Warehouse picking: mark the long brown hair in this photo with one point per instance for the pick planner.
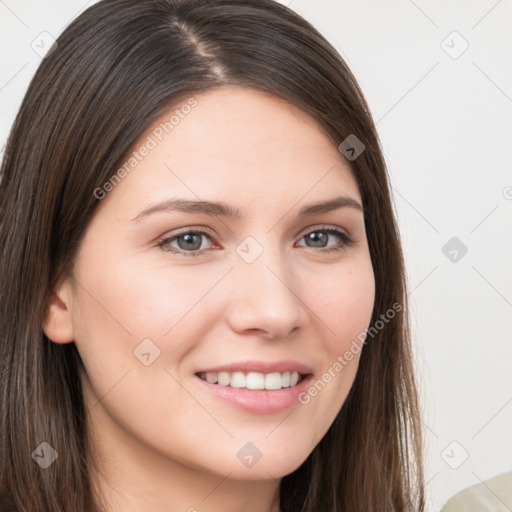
(115, 69)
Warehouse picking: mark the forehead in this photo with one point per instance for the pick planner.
(237, 145)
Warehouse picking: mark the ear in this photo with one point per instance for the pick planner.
(58, 324)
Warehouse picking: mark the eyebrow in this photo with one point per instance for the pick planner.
(220, 209)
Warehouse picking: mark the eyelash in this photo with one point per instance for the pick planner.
(346, 241)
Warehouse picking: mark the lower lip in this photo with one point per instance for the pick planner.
(260, 401)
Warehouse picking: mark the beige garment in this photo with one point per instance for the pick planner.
(494, 495)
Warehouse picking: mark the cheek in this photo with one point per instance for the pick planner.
(133, 301)
(124, 304)
(343, 301)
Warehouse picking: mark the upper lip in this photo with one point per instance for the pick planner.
(261, 367)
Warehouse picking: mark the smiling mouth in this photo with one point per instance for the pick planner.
(253, 380)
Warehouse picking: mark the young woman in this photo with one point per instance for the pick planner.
(203, 302)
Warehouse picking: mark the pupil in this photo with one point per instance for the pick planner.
(189, 241)
(317, 238)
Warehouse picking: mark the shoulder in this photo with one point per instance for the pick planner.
(494, 495)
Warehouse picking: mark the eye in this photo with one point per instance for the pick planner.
(319, 238)
(189, 243)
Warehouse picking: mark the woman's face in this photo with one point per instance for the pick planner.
(169, 290)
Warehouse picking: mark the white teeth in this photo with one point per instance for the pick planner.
(238, 380)
(255, 380)
(252, 380)
(273, 381)
(224, 379)
(211, 377)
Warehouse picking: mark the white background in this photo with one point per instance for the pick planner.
(445, 126)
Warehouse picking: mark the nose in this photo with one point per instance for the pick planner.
(263, 299)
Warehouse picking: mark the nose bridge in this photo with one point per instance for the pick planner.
(265, 296)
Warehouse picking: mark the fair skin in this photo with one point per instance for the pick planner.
(165, 440)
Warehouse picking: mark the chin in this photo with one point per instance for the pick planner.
(262, 460)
